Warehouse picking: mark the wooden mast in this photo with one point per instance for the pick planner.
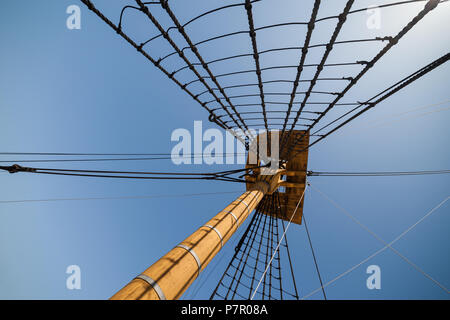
(171, 275)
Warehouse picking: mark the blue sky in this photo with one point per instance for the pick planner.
(88, 91)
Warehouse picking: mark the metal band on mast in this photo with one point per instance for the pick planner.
(175, 271)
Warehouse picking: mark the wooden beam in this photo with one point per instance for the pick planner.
(170, 276)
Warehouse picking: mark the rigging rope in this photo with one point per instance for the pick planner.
(101, 154)
(384, 95)
(252, 252)
(311, 26)
(286, 245)
(119, 197)
(220, 176)
(378, 251)
(252, 33)
(112, 159)
(387, 245)
(279, 243)
(314, 256)
(381, 121)
(249, 229)
(225, 112)
(430, 5)
(341, 20)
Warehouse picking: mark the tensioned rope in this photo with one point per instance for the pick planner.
(223, 107)
(329, 48)
(251, 256)
(155, 196)
(100, 154)
(194, 289)
(286, 245)
(153, 157)
(301, 64)
(314, 256)
(378, 238)
(219, 176)
(279, 243)
(381, 97)
(238, 250)
(380, 250)
(401, 116)
(387, 93)
(430, 5)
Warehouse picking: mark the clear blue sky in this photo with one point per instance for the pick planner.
(88, 91)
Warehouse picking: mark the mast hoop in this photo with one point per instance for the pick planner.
(192, 252)
(153, 284)
(218, 233)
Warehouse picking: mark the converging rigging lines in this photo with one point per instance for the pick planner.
(281, 103)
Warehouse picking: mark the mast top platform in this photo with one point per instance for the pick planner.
(289, 179)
